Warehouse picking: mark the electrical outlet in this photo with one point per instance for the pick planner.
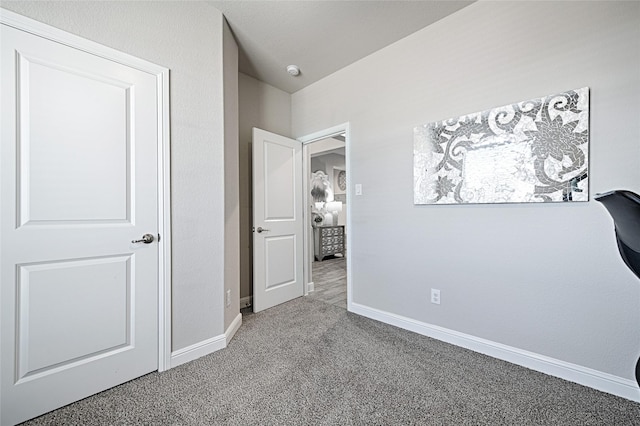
(228, 298)
(435, 296)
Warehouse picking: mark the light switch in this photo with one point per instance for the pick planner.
(358, 189)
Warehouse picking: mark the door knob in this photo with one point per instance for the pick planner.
(261, 230)
(146, 238)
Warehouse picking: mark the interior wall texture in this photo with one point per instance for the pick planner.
(231, 179)
(544, 278)
(266, 107)
(185, 37)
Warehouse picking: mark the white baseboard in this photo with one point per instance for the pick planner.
(311, 287)
(604, 382)
(233, 327)
(200, 349)
(197, 350)
(245, 302)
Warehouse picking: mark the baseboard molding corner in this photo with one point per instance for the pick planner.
(233, 327)
(197, 350)
(585, 376)
(311, 287)
(206, 347)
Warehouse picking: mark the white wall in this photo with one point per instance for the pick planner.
(186, 37)
(231, 178)
(267, 108)
(540, 278)
(323, 145)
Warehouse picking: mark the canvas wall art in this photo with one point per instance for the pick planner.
(531, 151)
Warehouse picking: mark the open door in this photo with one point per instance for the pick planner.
(277, 220)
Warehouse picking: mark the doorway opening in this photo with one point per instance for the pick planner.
(327, 224)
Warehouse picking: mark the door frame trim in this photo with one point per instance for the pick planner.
(308, 253)
(161, 74)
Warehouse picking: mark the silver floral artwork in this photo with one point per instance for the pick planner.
(532, 151)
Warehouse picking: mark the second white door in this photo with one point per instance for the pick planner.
(278, 241)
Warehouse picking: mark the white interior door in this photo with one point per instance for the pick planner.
(78, 161)
(277, 220)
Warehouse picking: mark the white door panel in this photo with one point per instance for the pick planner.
(280, 260)
(78, 183)
(98, 110)
(279, 167)
(277, 208)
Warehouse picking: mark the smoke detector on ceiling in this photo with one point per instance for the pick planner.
(293, 70)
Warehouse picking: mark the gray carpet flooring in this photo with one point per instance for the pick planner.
(307, 362)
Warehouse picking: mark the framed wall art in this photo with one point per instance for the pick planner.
(527, 152)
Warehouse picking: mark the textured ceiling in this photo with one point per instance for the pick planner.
(320, 36)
